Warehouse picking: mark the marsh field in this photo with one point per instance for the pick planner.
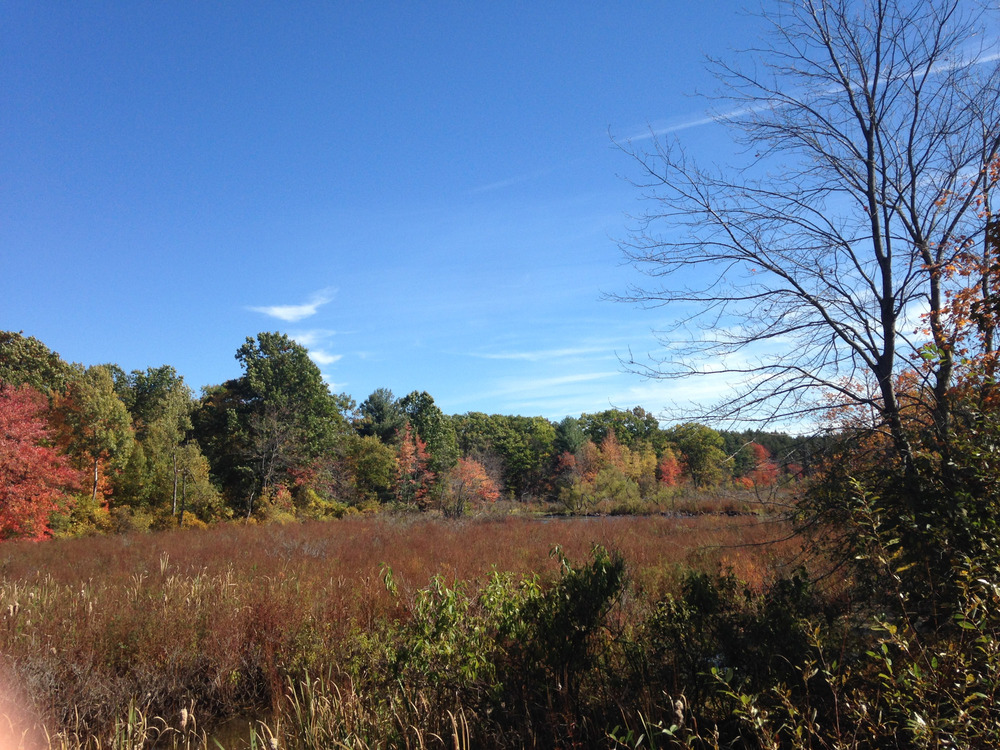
(408, 631)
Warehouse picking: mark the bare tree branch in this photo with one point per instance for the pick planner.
(804, 271)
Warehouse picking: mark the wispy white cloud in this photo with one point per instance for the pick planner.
(334, 387)
(293, 313)
(560, 380)
(314, 341)
(692, 121)
(653, 132)
(312, 337)
(966, 61)
(510, 182)
(698, 120)
(544, 354)
(541, 385)
(321, 357)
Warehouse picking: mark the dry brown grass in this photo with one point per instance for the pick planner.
(223, 616)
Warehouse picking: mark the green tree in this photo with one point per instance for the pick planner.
(277, 417)
(197, 495)
(701, 446)
(524, 447)
(381, 415)
(527, 445)
(99, 423)
(569, 436)
(473, 433)
(154, 394)
(540, 437)
(434, 428)
(221, 432)
(282, 379)
(736, 446)
(24, 360)
(160, 404)
(372, 465)
(632, 426)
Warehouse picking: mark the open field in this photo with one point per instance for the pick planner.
(226, 621)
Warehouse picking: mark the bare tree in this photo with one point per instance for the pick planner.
(273, 446)
(867, 127)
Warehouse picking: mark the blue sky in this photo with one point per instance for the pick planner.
(424, 195)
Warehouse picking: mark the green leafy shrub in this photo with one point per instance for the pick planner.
(554, 643)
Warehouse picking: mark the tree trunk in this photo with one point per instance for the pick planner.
(180, 518)
(93, 494)
(174, 511)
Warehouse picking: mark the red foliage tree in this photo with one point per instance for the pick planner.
(765, 471)
(34, 478)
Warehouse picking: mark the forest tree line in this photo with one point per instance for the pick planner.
(97, 448)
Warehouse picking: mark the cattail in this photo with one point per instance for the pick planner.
(184, 719)
(679, 712)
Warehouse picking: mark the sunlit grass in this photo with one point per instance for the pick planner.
(224, 621)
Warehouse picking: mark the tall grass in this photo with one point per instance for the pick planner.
(97, 634)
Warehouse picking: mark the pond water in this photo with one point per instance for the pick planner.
(234, 734)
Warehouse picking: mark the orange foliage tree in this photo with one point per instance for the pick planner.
(612, 451)
(468, 483)
(413, 479)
